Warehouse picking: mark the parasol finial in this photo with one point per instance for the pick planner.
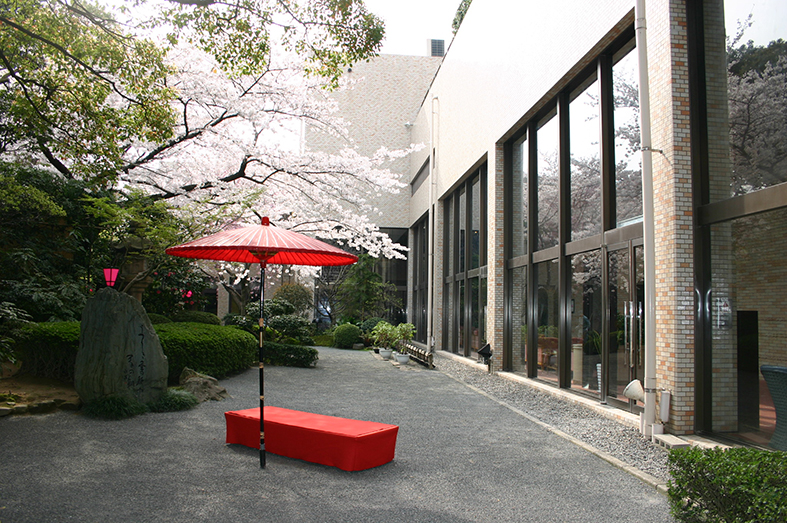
(266, 220)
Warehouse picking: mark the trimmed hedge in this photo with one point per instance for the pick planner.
(210, 349)
(291, 326)
(346, 334)
(279, 354)
(49, 350)
(733, 485)
(157, 319)
(196, 317)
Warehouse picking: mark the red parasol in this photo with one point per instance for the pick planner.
(263, 244)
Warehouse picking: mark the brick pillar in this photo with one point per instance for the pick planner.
(495, 258)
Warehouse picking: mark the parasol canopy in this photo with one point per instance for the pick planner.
(264, 243)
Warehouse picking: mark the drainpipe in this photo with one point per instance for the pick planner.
(649, 416)
(432, 192)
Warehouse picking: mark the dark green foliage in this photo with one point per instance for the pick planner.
(274, 307)
(210, 349)
(724, 486)
(279, 354)
(114, 407)
(49, 350)
(289, 326)
(750, 57)
(196, 317)
(324, 340)
(363, 294)
(174, 400)
(157, 319)
(244, 322)
(298, 295)
(368, 325)
(178, 285)
(346, 334)
(460, 15)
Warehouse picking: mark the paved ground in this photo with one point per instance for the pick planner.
(460, 457)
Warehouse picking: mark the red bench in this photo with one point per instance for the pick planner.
(347, 444)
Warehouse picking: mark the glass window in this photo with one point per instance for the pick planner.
(519, 198)
(519, 319)
(746, 97)
(628, 158)
(585, 163)
(749, 322)
(475, 224)
(586, 321)
(462, 229)
(547, 320)
(548, 178)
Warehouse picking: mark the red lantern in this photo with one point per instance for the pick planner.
(110, 275)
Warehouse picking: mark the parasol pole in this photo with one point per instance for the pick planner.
(262, 366)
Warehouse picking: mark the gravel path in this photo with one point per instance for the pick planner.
(602, 433)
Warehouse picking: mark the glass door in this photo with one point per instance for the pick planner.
(625, 345)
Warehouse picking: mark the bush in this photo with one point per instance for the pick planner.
(49, 350)
(244, 322)
(291, 326)
(324, 340)
(346, 334)
(157, 319)
(368, 325)
(114, 407)
(733, 485)
(210, 349)
(174, 400)
(279, 354)
(196, 317)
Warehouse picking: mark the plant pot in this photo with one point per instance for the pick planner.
(386, 353)
(376, 350)
(402, 358)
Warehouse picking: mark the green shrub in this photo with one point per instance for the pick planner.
(290, 326)
(157, 319)
(244, 322)
(49, 350)
(733, 485)
(280, 354)
(114, 407)
(346, 334)
(196, 317)
(174, 400)
(324, 340)
(210, 349)
(368, 325)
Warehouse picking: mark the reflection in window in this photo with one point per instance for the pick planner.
(519, 319)
(519, 198)
(586, 321)
(748, 267)
(585, 164)
(548, 177)
(547, 320)
(628, 159)
(462, 231)
(475, 225)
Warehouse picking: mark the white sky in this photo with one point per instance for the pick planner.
(410, 23)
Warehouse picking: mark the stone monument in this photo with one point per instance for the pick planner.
(119, 351)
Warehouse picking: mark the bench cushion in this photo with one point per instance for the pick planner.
(339, 442)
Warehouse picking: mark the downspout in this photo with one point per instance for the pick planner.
(432, 192)
(649, 416)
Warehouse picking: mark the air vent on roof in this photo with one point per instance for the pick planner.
(435, 47)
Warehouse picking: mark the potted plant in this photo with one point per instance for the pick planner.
(384, 336)
(404, 333)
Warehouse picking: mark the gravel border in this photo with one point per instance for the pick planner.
(613, 441)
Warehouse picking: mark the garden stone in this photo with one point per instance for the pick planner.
(20, 408)
(119, 351)
(5, 411)
(204, 387)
